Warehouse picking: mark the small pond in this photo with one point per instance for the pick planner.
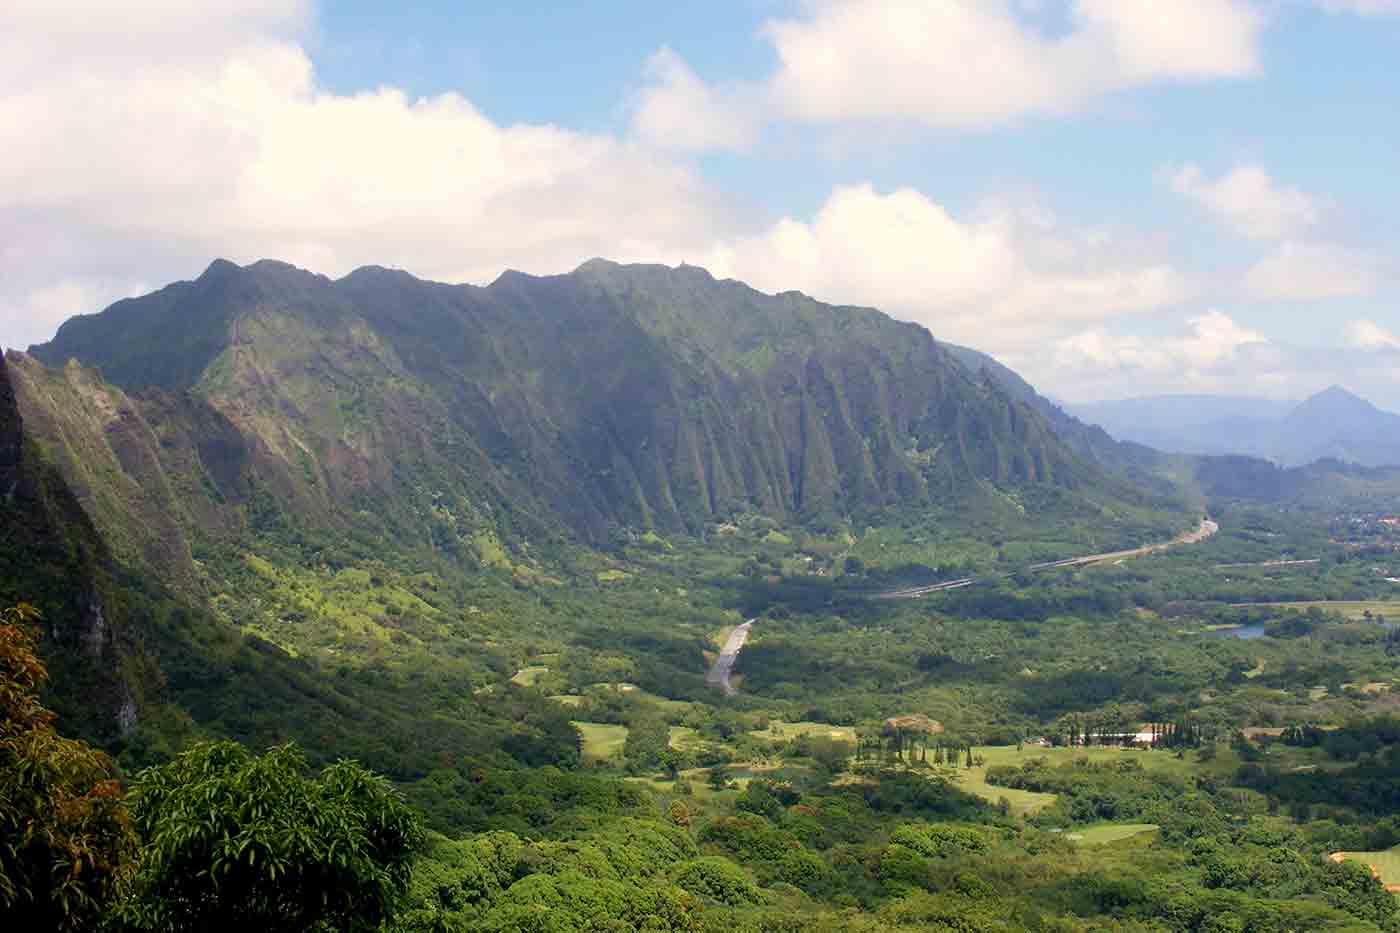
(1242, 632)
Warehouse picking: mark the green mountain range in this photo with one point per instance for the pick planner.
(296, 474)
(614, 396)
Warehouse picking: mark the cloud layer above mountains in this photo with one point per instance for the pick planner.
(204, 131)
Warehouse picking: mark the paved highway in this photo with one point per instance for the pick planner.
(1202, 532)
(719, 673)
(724, 664)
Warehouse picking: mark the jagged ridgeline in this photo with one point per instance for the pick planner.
(615, 396)
(258, 503)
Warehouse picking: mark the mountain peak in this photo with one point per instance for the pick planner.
(218, 269)
(597, 264)
(1335, 400)
(1337, 392)
(374, 273)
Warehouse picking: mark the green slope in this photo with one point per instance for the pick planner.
(611, 397)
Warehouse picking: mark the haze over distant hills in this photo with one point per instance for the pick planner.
(1333, 424)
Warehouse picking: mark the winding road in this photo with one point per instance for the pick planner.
(724, 664)
(1202, 532)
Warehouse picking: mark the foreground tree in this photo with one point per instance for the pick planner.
(67, 849)
(238, 842)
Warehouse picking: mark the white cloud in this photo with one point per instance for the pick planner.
(1249, 201)
(1305, 271)
(680, 111)
(116, 173)
(1011, 274)
(1211, 339)
(960, 63)
(1362, 7)
(205, 132)
(1212, 353)
(148, 161)
(1368, 335)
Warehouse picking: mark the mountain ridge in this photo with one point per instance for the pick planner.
(612, 395)
(292, 474)
(1331, 424)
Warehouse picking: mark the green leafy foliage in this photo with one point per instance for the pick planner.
(232, 840)
(67, 849)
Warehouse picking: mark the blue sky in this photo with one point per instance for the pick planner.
(1116, 197)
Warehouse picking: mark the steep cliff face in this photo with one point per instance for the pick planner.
(638, 396)
(54, 558)
(138, 665)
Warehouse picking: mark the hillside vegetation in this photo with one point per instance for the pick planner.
(488, 542)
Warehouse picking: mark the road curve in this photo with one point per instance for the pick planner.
(724, 664)
(1202, 532)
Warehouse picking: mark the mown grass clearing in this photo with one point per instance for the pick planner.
(527, 676)
(974, 781)
(1101, 834)
(1152, 759)
(665, 706)
(684, 738)
(567, 699)
(695, 777)
(1348, 609)
(779, 731)
(1025, 802)
(601, 741)
(1386, 864)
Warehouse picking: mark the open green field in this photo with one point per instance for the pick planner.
(1103, 833)
(684, 738)
(974, 780)
(695, 777)
(1347, 609)
(567, 699)
(665, 706)
(527, 676)
(779, 731)
(601, 742)
(1386, 863)
(1025, 802)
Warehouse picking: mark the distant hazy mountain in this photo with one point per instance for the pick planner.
(1333, 424)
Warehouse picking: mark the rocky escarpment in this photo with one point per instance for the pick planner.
(54, 558)
(615, 396)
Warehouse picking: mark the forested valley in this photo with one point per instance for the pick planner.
(367, 622)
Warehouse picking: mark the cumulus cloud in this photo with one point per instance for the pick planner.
(680, 111)
(143, 159)
(975, 63)
(1368, 335)
(1011, 270)
(139, 168)
(1305, 271)
(206, 133)
(1248, 200)
(1209, 340)
(1300, 264)
(1213, 353)
(1362, 7)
